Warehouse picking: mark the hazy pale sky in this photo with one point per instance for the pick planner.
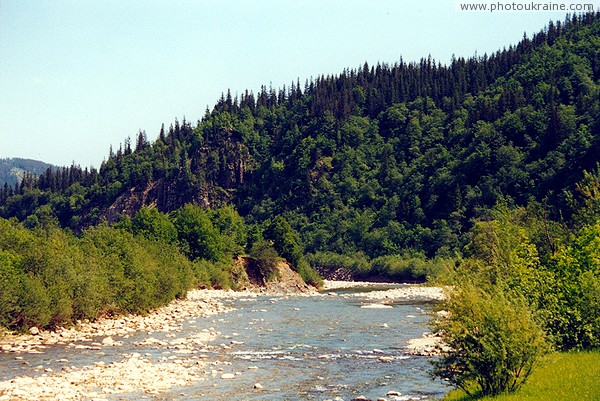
(78, 75)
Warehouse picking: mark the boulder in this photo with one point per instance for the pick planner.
(108, 341)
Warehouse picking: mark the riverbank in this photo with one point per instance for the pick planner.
(185, 359)
(200, 303)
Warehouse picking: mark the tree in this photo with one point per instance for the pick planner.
(576, 322)
(493, 338)
(154, 225)
(285, 240)
(198, 236)
(232, 228)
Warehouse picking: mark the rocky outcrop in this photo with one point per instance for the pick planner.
(165, 195)
(336, 273)
(286, 279)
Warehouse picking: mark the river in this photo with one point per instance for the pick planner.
(332, 347)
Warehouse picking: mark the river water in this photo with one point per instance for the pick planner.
(296, 347)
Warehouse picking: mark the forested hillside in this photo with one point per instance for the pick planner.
(14, 169)
(375, 161)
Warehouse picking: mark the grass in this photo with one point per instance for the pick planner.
(573, 376)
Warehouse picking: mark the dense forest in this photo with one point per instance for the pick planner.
(479, 168)
(374, 161)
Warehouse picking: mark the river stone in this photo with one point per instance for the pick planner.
(227, 376)
(377, 306)
(108, 341)
(393, 393)
(34, 330)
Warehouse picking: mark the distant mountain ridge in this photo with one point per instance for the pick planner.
(12, 170)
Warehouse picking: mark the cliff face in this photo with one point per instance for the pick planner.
(165, 196)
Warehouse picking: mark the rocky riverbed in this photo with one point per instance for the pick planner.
(167, 358)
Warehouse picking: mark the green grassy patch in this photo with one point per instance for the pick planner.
(573, 376)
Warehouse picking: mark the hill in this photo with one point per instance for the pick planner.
(13, 170)
(375, 161)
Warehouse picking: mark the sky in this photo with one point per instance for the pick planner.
(77, 76)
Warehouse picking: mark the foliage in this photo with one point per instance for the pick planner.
(576, 270)
(505, 254)
(400, 267)
(286, 242)
(198, 236)
(50, 277)
(494, 339)
(586, 200)
(232, 227)
(153, 225)
(265, 256)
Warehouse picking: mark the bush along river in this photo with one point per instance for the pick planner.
(344, 344)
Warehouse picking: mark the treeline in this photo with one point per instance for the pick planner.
(51, 277)
(525, 285)
(378, 161)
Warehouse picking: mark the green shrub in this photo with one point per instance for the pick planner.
(220, 277)
(201, 272)
(11, 282)
(575, 319)
(232, 227)
(49, 277)
(494, 341)
(154, 225)
(400, 267)
(34, 308)
(309, 275)
(266, 258)
(198, 236)
(287, 243)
